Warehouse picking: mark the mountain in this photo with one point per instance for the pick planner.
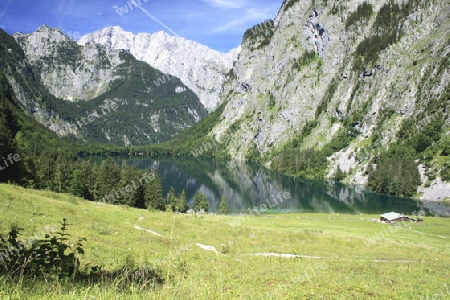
(334, 89)
(98, 95)
(202, 69)
(26, 146)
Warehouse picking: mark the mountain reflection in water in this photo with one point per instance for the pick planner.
(247, 187)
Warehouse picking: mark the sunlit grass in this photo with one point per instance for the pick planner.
(359, 257)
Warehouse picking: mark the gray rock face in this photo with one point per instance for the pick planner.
(202, 69)
(273, 91)
(151, 106)
(71, 74)
(316, 33)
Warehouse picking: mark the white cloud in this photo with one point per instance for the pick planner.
(2, 13)
(158, 21)
(227, 3)
(250, 18)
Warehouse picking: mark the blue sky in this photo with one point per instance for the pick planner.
(219, 24)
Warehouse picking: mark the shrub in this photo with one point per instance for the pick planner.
(304, 60)
(445, 172)
(51, 256)
(339, 175)
(54, 257)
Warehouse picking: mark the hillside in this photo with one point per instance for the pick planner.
(342, 90)
(33, 145)
(373, 259)
(94, 94)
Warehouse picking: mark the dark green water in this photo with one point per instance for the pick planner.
(248, 187)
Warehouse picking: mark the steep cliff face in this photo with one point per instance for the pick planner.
(98, 94)
(328, 69)
(202, 69)
(68, 71)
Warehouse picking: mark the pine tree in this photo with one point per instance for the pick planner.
(45, 171)
(153, 194)
(62, 174)
(201, 202)
(81, 184)
(223, 206)
(445, 145)
(172, 200)
(108, 178)
(7, 146)
(129, 177)
(139, 198)
(396, 173)
(182, 205)
(339, 175)
(78, 185)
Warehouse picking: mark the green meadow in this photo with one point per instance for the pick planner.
(276, 256)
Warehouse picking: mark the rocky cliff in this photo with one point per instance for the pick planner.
(367, 72)
(202, 69)
(98, 94)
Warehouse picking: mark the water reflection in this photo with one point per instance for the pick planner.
(247, 187)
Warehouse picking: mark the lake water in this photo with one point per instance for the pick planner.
(251, 188)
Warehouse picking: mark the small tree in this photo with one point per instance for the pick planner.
(53, 256)
(78, 186)
(182, 204)
(223, 206)
(201, 202)
(339, 175)
(154, 194)
(445, 146)
(171, 200)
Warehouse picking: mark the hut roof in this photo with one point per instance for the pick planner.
(392, 216)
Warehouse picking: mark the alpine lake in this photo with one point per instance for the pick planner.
(253, 189)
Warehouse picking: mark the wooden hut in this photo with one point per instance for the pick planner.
(393, 217)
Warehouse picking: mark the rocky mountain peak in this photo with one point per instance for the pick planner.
(73, 83)
(351, 75)
(202, 69)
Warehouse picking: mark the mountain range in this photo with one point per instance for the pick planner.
(75, 82)
(354, 91)
(202, 69)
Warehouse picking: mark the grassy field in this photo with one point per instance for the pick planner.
(337, 256)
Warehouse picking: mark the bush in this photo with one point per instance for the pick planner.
(445, 172)
(304, 60)
(51, 256)
(54, 257)
(339, 175)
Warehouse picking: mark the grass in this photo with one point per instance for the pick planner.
(360, 258)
